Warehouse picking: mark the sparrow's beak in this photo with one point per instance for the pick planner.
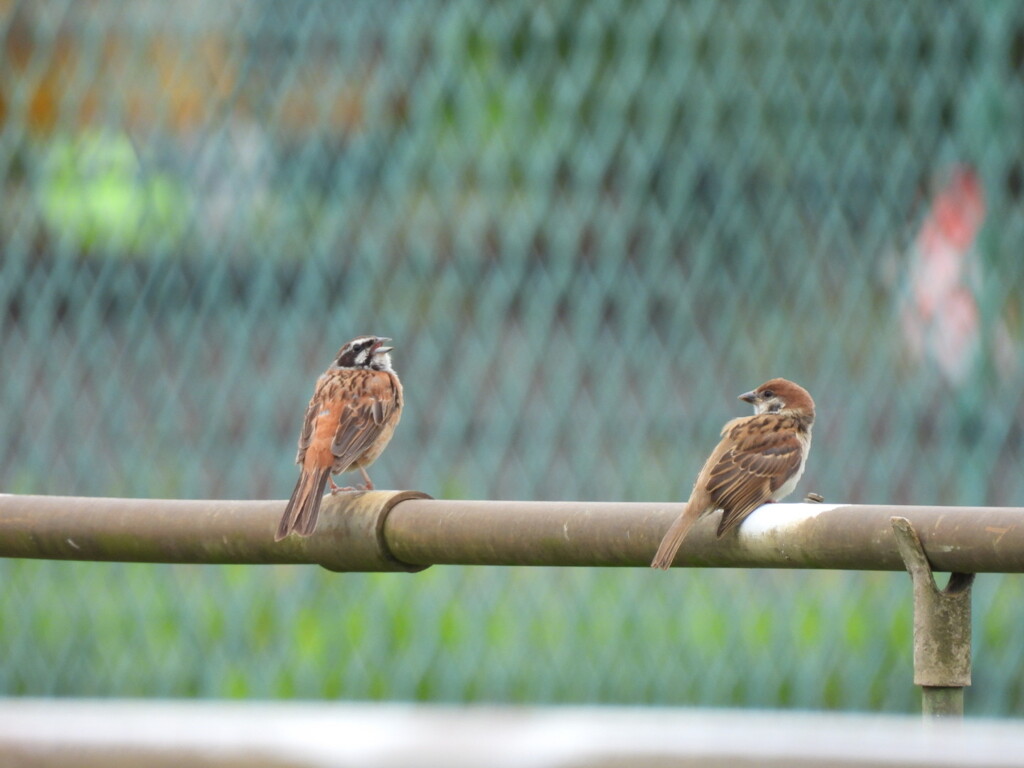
(749, 397)
(378, 345)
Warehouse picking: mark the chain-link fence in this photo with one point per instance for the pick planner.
(587, 226)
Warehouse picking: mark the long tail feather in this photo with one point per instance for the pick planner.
(304, 505)
(673, 539)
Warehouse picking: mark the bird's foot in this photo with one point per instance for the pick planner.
(335, 488)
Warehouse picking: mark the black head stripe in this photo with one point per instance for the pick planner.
(356, 354)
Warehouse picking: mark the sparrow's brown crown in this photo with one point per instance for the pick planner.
(778, 395)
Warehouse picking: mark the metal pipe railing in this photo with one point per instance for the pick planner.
(396, 531)
(408, 531)
(349, 536)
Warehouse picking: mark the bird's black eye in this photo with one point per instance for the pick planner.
(768, 393)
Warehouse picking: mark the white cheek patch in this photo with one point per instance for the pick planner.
(770, 520)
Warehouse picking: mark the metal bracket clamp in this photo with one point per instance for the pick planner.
(357, 519)
(942, 627)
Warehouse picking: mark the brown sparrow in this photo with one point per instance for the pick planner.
(759, 459)
(350, 419)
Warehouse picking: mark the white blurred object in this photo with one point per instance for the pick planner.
(63, 732)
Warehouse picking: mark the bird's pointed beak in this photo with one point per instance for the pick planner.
(379, 345)
(749, 397)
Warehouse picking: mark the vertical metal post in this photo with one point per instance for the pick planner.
(942, 628)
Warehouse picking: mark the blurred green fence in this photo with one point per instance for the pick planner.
(587, 226)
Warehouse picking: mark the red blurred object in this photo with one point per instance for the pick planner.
(941, 319)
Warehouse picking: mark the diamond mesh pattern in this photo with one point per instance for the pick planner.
(587, 225)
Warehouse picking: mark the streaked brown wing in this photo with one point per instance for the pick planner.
(309, 423)
(366, 411)
(766, 453)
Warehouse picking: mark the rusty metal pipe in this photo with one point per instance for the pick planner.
(852, 537)
(388, 530)
(349, 536)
